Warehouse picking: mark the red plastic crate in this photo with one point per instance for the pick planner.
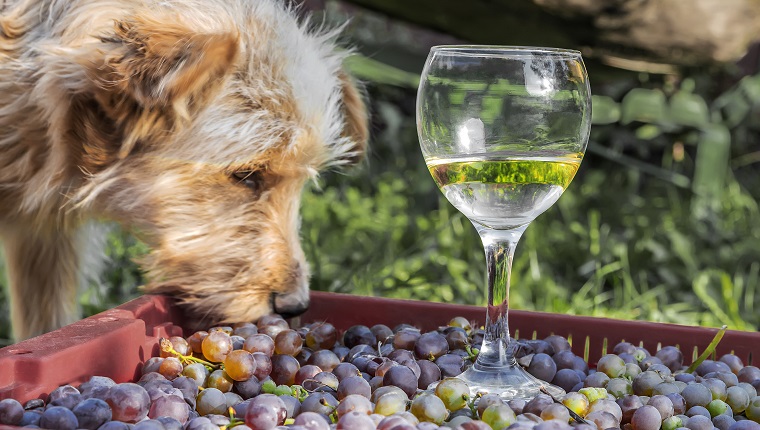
(115, 343)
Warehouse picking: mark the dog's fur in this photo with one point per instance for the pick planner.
(196, 123)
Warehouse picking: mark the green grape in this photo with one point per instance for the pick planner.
(454, 392)
(391, 403)
(498, 416)
(429, 408)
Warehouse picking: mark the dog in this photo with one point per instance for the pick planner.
(194, 123)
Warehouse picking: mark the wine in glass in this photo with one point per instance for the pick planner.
(503, 131)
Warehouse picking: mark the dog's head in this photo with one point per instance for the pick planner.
(200, 129)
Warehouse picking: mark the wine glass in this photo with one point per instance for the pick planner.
(503, 130)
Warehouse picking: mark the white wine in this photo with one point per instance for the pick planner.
(500, 190)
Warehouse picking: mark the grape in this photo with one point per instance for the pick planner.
(609, 406)
(149, 425)
(663, 405)
(265, 411)
(288, 342)
(263, 365)
(406, 338)
(672, 423)
(402, 377)
(220, 380)
(321, 336)
(696, 395)
(566, 379)
(429, 408)
(359, 335)
(457, 338)
(679, 404)
(628, 405)
(170, 406)
(717, 407)
(744, 425)
(429, 373)
(240, 365)
(619, 387)
(200, 423)
(624, 347)
(644, 383)
(354, 385)
(431, 345)
(355, 421)
(597, 380)
(170, 368)
(92, 413)
(11, 412)
(284, 369)
(665, 388)
(498, 416)
(129, 402)
(233, 399)
(612, 365)
(749, 374)
(716, 386)
(292, 405)
(450, 365)
(708, 366)
(555, 412)
(537, 404)
(66, 396)
(211, 401)
(454, 392)
(97, 387)
(324, 359)
(390, 403)
(753, 410)
(576, 402)
(115, 425)
(699, 422)
(29, 418)
(542, 367)
(320, 403)
(354, 402)
(733, 362)
(195, 341)
(216, 346)
(605, 420)
(259, 343)
(723, 422)
(197, 372)
(58, 418)
(671, 357)
(311, 421)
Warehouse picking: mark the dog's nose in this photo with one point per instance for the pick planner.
(290, 305)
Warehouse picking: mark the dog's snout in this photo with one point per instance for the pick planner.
(290, 305)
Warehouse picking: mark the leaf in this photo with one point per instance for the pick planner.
(644, 105)
(604, 110)
(688, 109)
(711, 166)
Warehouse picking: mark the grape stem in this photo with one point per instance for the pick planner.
(167, 347)
(709, 350)
(234, 421)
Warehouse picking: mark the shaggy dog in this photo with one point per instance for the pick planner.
(195, 123)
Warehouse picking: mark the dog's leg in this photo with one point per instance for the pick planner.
(43, 271)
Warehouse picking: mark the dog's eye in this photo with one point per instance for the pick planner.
(252, 179)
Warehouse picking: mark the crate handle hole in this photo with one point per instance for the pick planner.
(20, 351)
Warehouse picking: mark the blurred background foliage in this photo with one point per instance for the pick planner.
(661, 223)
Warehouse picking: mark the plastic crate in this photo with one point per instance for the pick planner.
(115, 343)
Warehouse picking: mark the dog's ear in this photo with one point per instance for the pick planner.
(355, 125)
(156, 72)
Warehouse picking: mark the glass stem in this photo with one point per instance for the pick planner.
(499, 246)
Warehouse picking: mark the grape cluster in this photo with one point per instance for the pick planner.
(268, 376)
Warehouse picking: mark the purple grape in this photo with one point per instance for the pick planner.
(66, 396)
(59, 418)
(30, 418)
(402, 377)
(265, 411)
(129, 402)
(11, 412)
(312, 421)
(92, 413)
(170, 406)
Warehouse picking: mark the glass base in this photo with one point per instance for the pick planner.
(509, 382)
